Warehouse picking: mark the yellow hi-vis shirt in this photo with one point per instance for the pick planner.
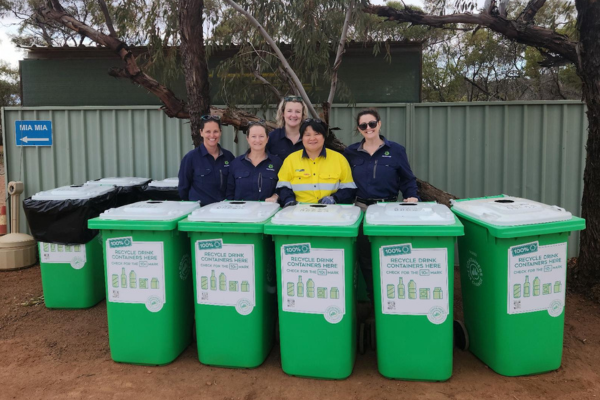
(311, 180)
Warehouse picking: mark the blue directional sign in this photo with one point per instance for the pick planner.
(33, 133)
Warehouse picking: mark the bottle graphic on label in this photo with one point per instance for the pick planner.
(132, 279)
(526, 287)
(300, 287)
(60, 248)
(222, 282)
(547, 288)
(204, 282)
(115, 280)
(401, 294)
(246, 286)
(557, 287)
(68, 249)
(536, 286)
(154, 283)
(322, 292)
(310, 288)
(424, 293)
(77, 248)
(335, 293)
(52, 247)
(437, 293)
(123, 279)
(233, 286)
(412, 289)
(290, 287)
(517, 290)
(391, 291)
(143, 283)
(213, 280)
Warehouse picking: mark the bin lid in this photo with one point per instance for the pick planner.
(510, 211)
(318, 215)
(73, 192)
(165, 183)
(150, 210)
(235, 211)
(409, 214)
(125, 181)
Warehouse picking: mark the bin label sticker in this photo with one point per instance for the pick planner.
(536, 278)
(75, 255)
(225, 275)
(136, 272)
(414, 281)
(313, 281)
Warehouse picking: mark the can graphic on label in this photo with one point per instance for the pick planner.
(517, 290)
(391, 291)
(204, 282)
(290, 288)
(115, 280)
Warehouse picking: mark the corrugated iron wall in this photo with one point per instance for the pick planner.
(528, 149)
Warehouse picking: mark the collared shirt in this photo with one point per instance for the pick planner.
(252, 183)
(202, 177)
(279, 145)
(308, 181)
(383, 174)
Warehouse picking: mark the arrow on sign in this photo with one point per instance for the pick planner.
(26, 139)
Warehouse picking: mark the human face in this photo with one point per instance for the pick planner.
(292, 114)
(211, 134)
(313, 141)
(369, 133)
(257, 138)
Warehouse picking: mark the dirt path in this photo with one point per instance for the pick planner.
(60, 354)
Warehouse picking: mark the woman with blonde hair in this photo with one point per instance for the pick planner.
(286, 140)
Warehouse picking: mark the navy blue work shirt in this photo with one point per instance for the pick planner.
(279, 145)
(247, 182)
(203, 178)
(383, 174)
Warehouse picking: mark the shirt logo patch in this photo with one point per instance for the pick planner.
(226, 162)
(270, 165)
(387, 153)
(299, 170)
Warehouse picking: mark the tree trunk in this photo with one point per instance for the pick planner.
(195, 67)
(586, 271)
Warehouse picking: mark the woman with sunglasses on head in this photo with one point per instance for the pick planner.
(203, 172)
(381, 170)
(253, 175)
(286, 140)
(315, 174)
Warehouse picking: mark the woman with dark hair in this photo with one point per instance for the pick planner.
(315, 174)
(381, 171)
(253, 175)
(285, 140)
(204, 170)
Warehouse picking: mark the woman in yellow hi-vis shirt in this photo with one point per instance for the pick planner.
(315, 174)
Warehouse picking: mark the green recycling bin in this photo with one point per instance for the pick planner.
(148, 281)
(412, 248)
(513, 265)
(234, 282)
(72, 272)
(316, 275)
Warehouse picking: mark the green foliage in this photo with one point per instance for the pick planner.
(9, 85)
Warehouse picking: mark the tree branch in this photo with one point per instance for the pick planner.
(107, 18)
(265, 82)
(340, 53)
(483, 90)
(532, 8)
(173, 106)
(282, 59)
(525, 33)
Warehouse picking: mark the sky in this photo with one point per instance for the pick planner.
(11, 54)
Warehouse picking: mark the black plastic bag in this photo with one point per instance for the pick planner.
(66, 221)
(160, 193)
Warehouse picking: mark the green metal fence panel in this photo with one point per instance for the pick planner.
(527, 149)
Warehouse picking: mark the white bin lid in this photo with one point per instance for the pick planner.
(125, 181)
(235, 211)
(317, 215)
(511, 211)
(165, 183)
(151, 211)
(74, 192)
(409, 214)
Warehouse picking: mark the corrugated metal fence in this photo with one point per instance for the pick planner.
(528, 149)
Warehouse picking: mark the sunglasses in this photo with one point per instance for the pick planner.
(370, 124)
(309, 120)
(260, 122)
(210, 118)
(293, 98)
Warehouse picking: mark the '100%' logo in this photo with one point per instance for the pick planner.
(119, 242)
(297, 249)
(524, 249)
(210, 244)
(398, 250)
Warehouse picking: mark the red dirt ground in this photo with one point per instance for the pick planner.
(64, 354)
